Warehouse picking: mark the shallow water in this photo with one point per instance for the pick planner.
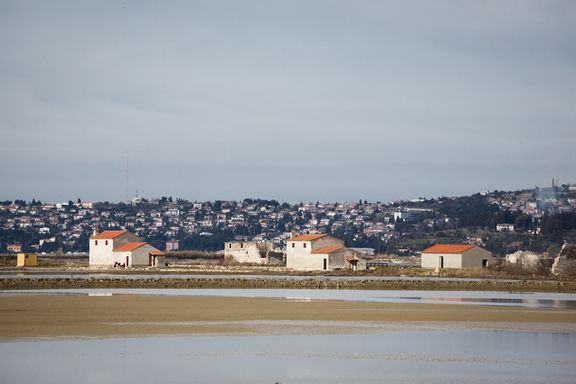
(421, 356)
(339, 353)
(489, 298)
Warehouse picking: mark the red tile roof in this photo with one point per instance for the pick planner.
(448, 248)
(157, 253)
(129, 247)
(108, 234)
(328, 249)
(308, 237)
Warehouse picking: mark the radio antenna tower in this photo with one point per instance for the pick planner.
(126, 179)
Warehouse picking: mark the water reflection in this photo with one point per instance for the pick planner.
(488, 298)
(463, 356)
(528, 303)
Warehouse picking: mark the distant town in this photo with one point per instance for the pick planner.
(538, 219)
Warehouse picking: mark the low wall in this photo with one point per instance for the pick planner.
(238, 283)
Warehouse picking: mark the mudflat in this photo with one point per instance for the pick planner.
(139, 315)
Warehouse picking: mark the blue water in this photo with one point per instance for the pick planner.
(437, 356)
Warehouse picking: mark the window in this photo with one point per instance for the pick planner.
(230, 245)
(96, 242)
(106, 242)
(293, 244)
(304, 245)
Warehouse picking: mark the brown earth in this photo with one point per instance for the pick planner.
(138, 315)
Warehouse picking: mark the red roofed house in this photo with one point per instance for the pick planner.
(317, 252)
(455, 256)
(110, 247)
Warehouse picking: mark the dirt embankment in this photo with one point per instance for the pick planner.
(240, 283)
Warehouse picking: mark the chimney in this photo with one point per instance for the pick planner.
(293, 234)
(94, 231)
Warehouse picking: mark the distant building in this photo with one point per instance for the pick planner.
(455, 256)
(402, 215)
(14, 248)
(252, 252)
(110, 247)
(318, 252)
(505, 227)
(27, 260)
(172, 245)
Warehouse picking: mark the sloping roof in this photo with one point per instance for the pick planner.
(308, 237)
(108, 234)
(157, 253)
(129, 247)
(352, 259)
(448, 248)
(328, 249)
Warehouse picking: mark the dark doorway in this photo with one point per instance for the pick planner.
(441, 262)
(325, 264)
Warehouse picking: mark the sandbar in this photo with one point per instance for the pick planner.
(141, 315)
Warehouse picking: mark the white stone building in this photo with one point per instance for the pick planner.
(252, 252)
(123, 247)
(505, 227)
(318, 252)
(455, 256)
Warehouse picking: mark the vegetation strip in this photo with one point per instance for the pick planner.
(233, 283)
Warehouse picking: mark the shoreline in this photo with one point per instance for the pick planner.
(25, 283)
(40, 317)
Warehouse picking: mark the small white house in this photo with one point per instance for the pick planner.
(123, 247)
(321, 252)
(455, 256)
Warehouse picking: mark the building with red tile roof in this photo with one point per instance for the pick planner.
(108, 234)
(110, 248)
(317, 252)
(442, 256)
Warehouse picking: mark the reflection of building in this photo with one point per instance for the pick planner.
(455, 256)
(172, 245)
(123, 247)
(321, 252)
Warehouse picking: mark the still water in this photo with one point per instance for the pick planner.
(428, 356)
(394, 353)
(489, 298)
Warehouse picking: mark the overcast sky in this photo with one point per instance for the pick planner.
(287, 100)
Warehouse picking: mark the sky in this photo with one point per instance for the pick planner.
(294, 100)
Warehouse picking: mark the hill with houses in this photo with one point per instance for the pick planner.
(539, 219)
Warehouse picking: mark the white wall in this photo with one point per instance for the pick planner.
(432, 260)
(101, 249)
(471, 258)
(246, 252)
(300, 256)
